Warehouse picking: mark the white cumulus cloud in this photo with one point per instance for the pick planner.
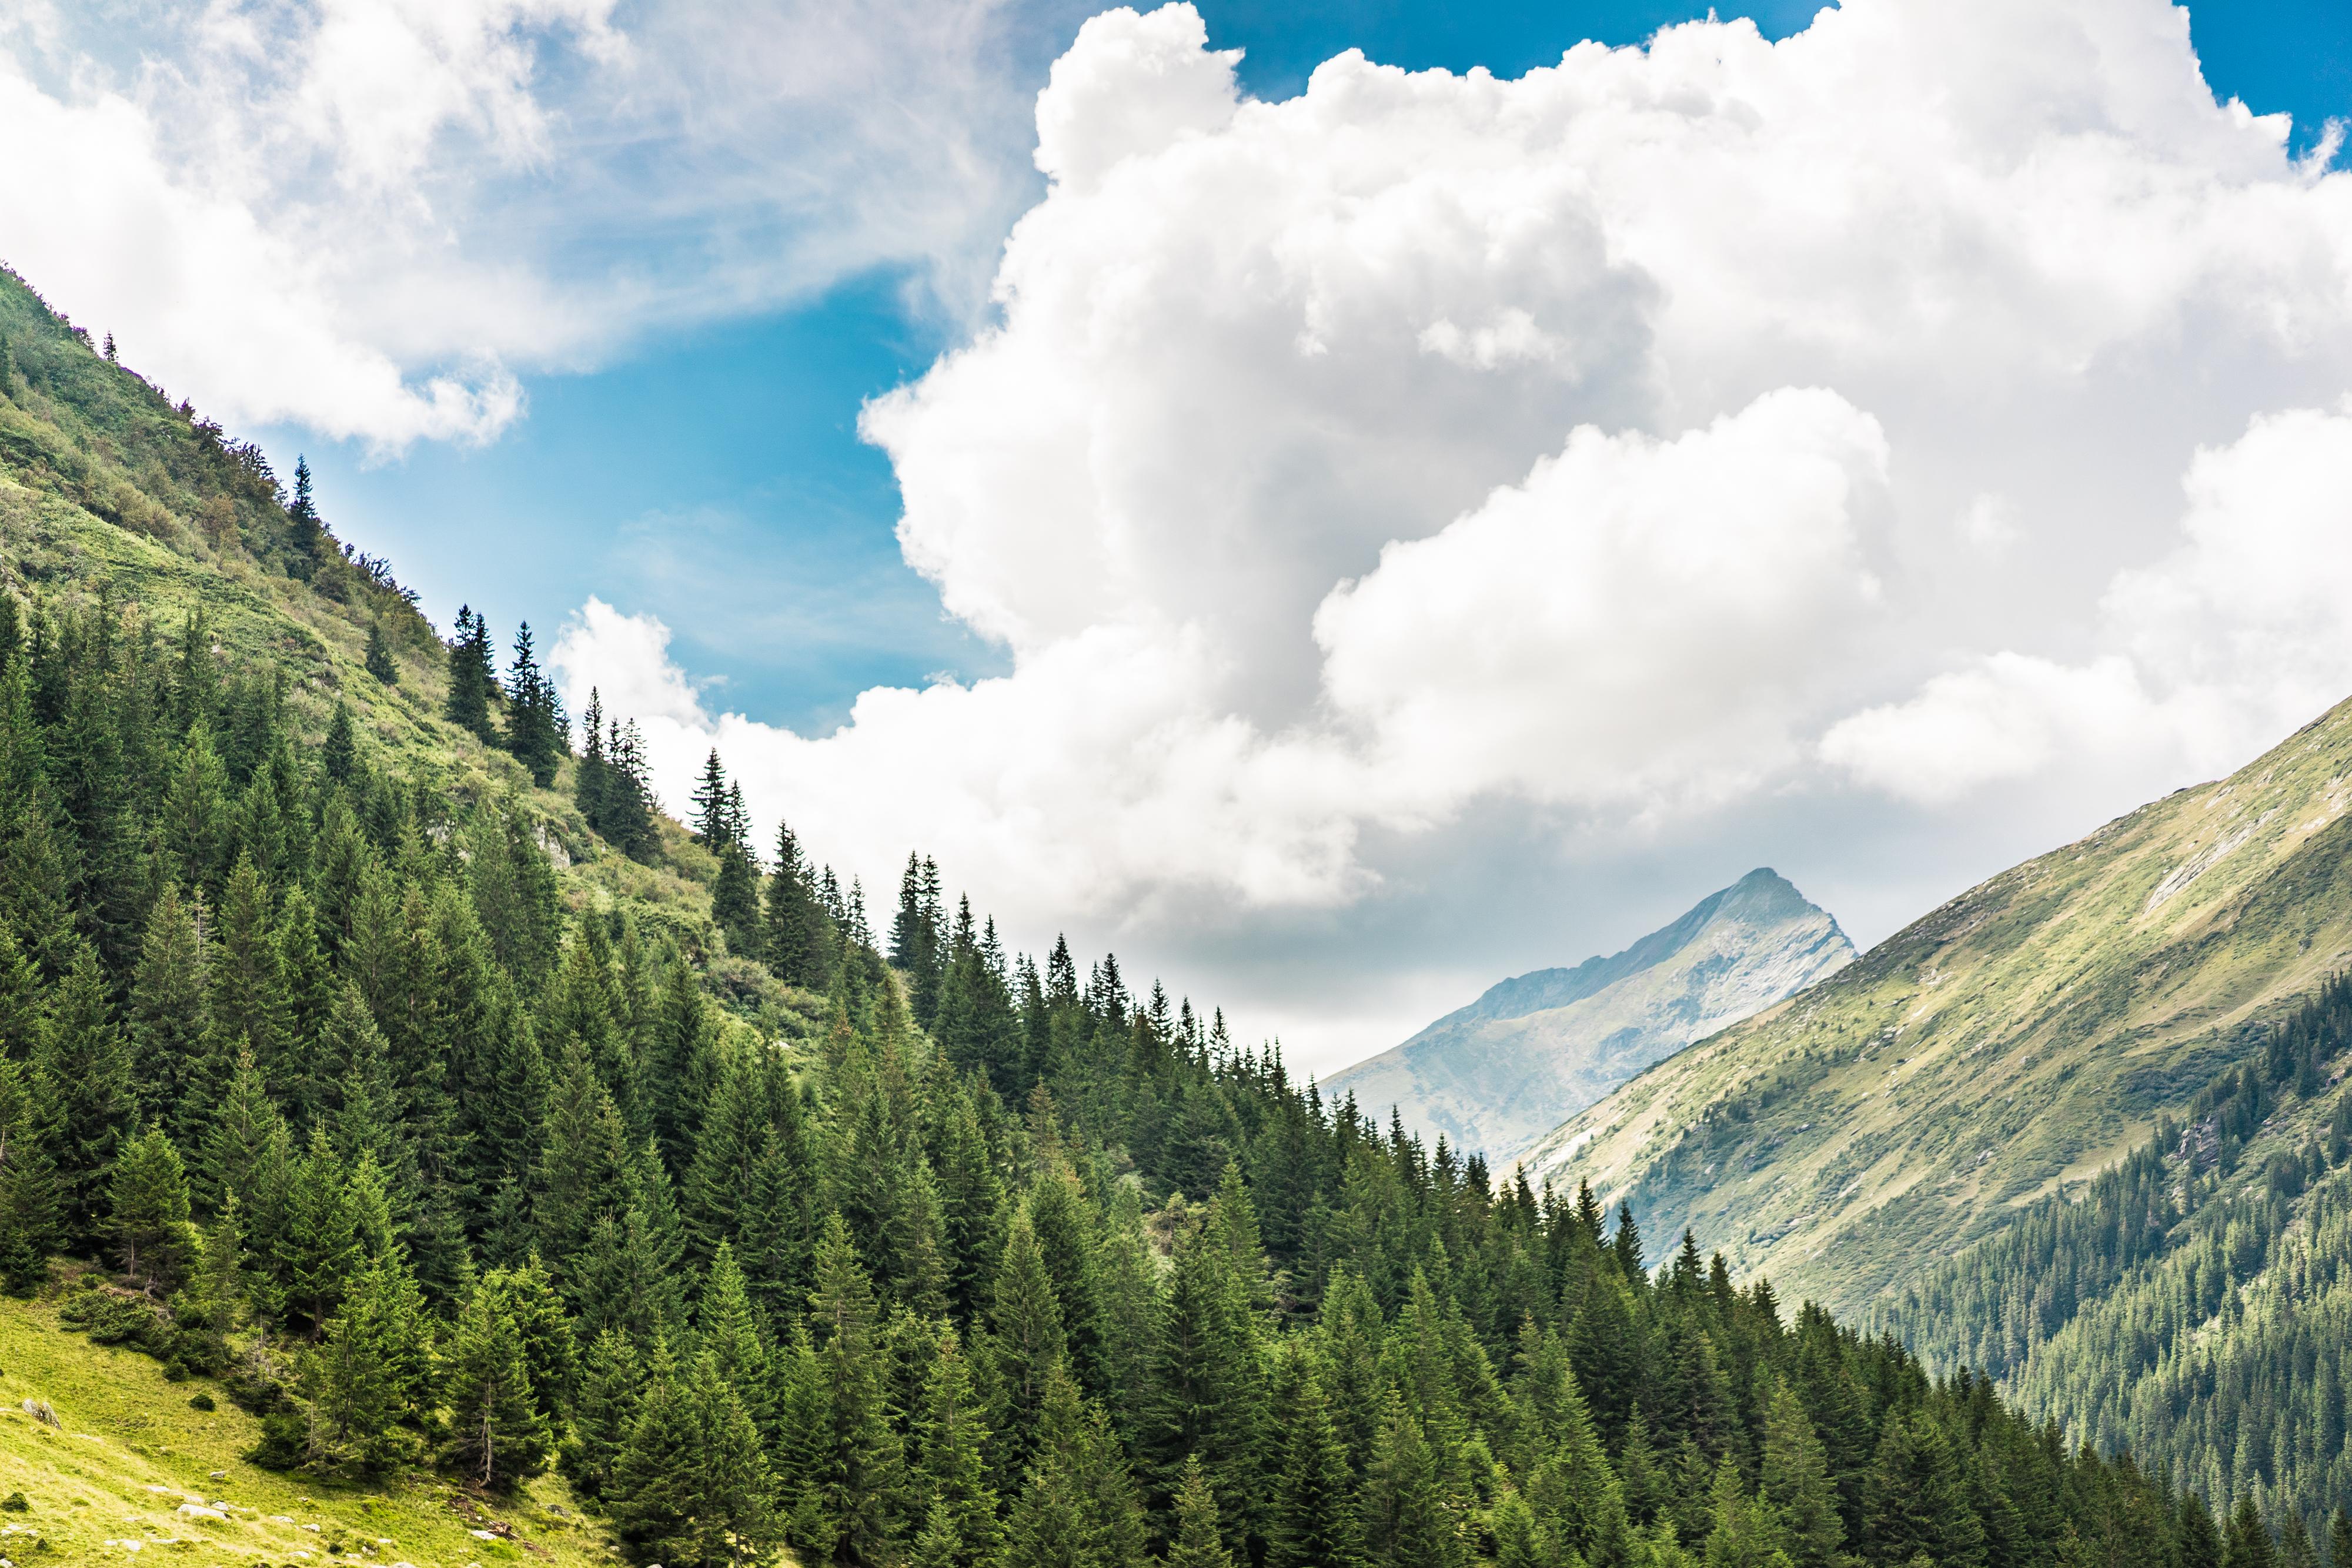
(1681, 444)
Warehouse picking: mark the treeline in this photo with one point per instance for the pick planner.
(2196, 1304)
(1002, 1265)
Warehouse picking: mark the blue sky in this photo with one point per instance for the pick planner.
(1424, 533)
(712, 476)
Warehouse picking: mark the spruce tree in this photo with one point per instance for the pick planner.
(2249, 1545)
(496, 1435)
(535, 726)
(81, 1070)
(735, 901)
(147, 1203)
(1312, 1522)
(171, 1049)
(1024, 1348)
(30, 1202)
(1197, 1543)
(366, 1384)
(339, 757)
(612, 1394)
(861, 1479)
(471, 685)
(379, 656)
(709, 797)
(1797, 1483)
(799, 936)
(958, 1507)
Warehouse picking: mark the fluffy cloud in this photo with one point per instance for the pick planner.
(1720, 428)
(2239, 633)
(365, 216)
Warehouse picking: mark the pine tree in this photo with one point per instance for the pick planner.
(496, 1435)
(1797, 1483)
(472, 686)
(339, 757)
(2249, 1545)
(1197, 1542)
(1745, 1530)
(30, 1202)
(171, 1056)
(82, 1070)
(735, 901)
(860, 1483)
(710, 796)
(1404, 1502)
(535, 724)
(612, 1394)
(800, 935)
(249, 1004)
(147, 1201)
(1520, 1538)
(379, 656)
(365, 1385)
(1913, 1498)
(729, 1331)
(1023, 1347)
(1312, 1522)
(959, 1507)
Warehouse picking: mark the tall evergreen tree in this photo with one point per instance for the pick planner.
(378, 659)
(82, 1073)
(496, 1435)
(147, 1205)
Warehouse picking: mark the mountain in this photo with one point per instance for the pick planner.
(1499, 1073)
(399, 1112)
(2004, 1048)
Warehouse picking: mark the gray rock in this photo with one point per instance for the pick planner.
(1497, 1076)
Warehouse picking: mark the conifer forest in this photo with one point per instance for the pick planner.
(375, 1048)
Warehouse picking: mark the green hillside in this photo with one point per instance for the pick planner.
(2004, 1048)
(129, 1452)
(477, 1143)
(2195, 1305)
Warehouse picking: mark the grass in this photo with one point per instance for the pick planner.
(2007, 1046)
(106, 1485)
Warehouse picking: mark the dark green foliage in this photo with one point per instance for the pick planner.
(496, 1433)
(81, 1070)
(990, 1260)
(379, 656)
(147, 1218)
(473, 686)
(802, 942)
(536, 730)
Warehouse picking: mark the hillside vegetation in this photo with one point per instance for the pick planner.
(129, 1456)
(2195, 1305)
(2006, 1048)
(371, 1064)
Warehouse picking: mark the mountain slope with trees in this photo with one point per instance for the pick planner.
(2006, 1048)
(417, 1083)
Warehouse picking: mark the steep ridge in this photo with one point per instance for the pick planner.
(2005, 1048)
(1497, 1075)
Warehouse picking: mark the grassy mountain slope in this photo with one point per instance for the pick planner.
(2195, 1305)
(108, 489)
(2005, 1048)
(130, 1450)
(1497, 1075)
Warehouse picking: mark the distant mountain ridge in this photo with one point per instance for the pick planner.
(1497, 1074)
(2003, 1048)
